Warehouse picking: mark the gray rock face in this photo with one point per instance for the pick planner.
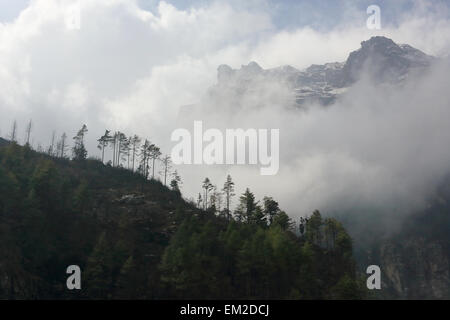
(379, 59)
(416, 269)
(415, 259)
(382, 60)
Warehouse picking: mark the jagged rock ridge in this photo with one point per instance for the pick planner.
(379, 58)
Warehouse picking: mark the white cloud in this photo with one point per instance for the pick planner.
(131, 69)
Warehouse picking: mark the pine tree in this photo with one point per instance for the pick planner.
(314, 229)
(216, 200)
(79, 151)
(228, 189)
(282, 219)
(167, 165)
(62, 146)
(247, 206)
(213, 199)
(121, 147)
(113, 144)
(98, 272)
(127, 283)
(51, 148)
(207, 185)
(270, 208)
(154, 154)
(127, 148)
(103, 142)
(145, 156)
(175, 183)
(199, 200)
(135, 142)
(13, 134)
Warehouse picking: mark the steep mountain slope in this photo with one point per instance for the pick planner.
(55, 213)
(416, 259)
(134, 238)
(415, 268)
(382, 60)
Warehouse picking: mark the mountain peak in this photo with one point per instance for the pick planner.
(225, 73)
(252, 67)
(379, 59)
(382, 60)
(378, 41)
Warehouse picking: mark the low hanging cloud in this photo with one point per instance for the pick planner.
(378, 149)
(131, 69)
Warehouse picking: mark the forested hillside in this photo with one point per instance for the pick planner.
(133, 237)
(3, 142)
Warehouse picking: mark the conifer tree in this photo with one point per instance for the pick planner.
(175, 183)
(103, 142)
(79, 151)
(247, 206)
(145, 156)
(199, 200)
(154, 154)
(62, 146)
(207, 186)
(270, 208)
(167, 166)
(135, 142)
(228, 189)
(13, 134)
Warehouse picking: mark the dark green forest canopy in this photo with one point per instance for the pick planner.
(135, 238)
(3, 142)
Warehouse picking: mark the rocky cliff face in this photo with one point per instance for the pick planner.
(415, 260)
(379, 60)
(382, 60)
(415, 268)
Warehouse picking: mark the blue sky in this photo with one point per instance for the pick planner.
(286, 14)
(9, 9)
(121, 55)
(319, 14)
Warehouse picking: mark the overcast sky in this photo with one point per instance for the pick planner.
(131, 64)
